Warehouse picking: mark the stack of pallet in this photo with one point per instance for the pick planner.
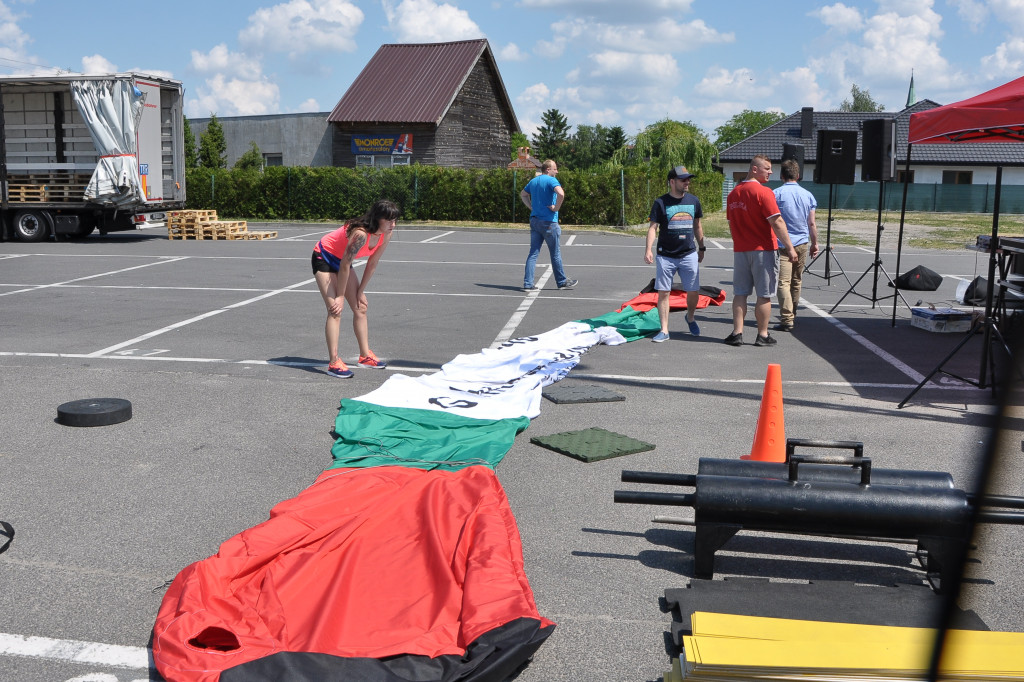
(203, 224)
(57, 187)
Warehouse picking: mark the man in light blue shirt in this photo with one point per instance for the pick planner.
(797, 206)
(544, 195)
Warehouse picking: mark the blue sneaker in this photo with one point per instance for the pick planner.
(660, 336)
(694, 329)
(340, 370)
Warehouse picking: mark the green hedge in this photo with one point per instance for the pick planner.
(607, 197)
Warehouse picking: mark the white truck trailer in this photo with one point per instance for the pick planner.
(81, 153)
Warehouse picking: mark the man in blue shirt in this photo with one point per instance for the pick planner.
(797, 206)
(543, 195)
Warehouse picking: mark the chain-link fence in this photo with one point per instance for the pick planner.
(931, 198)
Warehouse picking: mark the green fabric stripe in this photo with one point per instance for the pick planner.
(631, 324)
(370, 435)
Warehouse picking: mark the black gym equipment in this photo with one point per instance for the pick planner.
(926, 510)
(94, 412)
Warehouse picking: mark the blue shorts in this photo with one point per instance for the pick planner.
(755, 271)
(666, 269)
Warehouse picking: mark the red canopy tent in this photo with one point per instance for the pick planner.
(993, 116)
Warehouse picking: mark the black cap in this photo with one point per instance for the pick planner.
(679, 172)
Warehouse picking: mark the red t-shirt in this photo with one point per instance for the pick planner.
(748, 208)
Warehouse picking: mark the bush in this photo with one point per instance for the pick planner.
(592, 197)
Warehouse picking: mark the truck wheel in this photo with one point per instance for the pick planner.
(30, 226)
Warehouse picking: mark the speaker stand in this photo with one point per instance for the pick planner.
(827, 252)
(875, 266)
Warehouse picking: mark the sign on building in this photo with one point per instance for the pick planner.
(382, 144)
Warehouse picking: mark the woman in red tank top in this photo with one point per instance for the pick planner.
(332, 259)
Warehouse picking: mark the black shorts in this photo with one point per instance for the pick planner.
(319, 264)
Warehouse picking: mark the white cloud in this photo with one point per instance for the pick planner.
(632, 67)
(1008, 59)
(97, 64)
(309, 106)
(641, 11)
(839, 17)
(300, 26)
(740, 84)
(535, 95)
(234, 97)
(973, 12)
(426, 21)
(1009, 12)
(13, 41)
(221, 60)
(511, 53)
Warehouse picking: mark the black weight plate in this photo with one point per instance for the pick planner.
(94, 412)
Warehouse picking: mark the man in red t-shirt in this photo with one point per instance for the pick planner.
(757, 228)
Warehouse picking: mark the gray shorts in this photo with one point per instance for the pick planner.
(666, 269)
(755, 272)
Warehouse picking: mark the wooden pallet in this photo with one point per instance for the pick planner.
(222, 229)
(261, 234)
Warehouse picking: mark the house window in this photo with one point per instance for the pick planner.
(901, 174)
(273, 159)
(739, 176)
(383, 160)
(957, 177)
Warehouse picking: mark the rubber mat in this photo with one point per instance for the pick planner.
(580, 393)
(592, 445)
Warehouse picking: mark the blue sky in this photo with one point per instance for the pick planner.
(614, 62)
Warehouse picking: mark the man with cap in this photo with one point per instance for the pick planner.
(675, 222)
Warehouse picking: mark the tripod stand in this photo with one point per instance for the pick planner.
(827, 252)
(875, 266)
(989, 324)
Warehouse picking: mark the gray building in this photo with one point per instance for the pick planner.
(283, 139)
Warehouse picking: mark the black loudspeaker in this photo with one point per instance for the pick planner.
(795, 152)
(878, 162)
(836, 161)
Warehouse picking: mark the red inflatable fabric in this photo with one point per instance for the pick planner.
(364, 563)
(676, 301)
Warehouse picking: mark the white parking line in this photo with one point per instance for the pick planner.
(510, 327)
(570, 240)
(197, 318)
(75, 651)
(438, 236)
(165, 259)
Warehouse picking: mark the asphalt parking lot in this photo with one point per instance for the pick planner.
(219, 347)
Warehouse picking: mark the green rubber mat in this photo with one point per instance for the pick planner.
(580, 393)
(591, 445)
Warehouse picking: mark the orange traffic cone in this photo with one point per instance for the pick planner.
(770, 434)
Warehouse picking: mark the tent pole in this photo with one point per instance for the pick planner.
(899, 241)
(993, 247)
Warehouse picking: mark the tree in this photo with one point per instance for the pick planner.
(615, 137)
(212, 146)
(552, 138)
(588, 147)
(251, 159)
(191, 158)
(669, 143)
(743, 125)
(861, 101)
(519, 140)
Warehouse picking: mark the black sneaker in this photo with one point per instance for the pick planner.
(569, 284)
(766, 340)
(734, 339)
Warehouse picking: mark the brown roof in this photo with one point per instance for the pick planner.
(414, 83)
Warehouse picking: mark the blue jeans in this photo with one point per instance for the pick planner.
(544, 231)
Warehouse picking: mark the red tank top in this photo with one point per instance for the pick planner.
(335, 243)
